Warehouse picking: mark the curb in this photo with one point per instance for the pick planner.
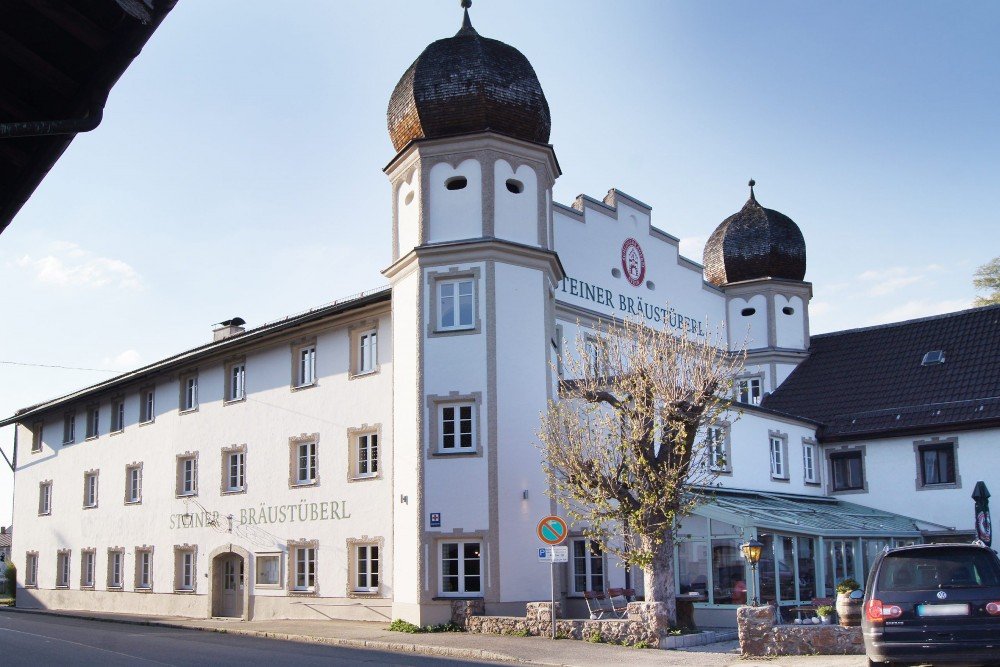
(394, 647)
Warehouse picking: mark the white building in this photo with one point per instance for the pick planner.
(376, 458)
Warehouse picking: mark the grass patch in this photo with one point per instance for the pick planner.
(399, 625)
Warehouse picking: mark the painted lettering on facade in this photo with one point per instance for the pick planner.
(327, 510)
(628, 305)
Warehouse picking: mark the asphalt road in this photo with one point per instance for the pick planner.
(38, 640)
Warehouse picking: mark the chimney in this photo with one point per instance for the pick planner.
(229, 328)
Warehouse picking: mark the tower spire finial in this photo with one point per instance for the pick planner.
(751, 184)
(466, 22)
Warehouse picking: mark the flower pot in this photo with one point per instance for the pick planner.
(849, 610)
(826, 620)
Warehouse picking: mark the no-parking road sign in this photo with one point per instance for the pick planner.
(552, 530)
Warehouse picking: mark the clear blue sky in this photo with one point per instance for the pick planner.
(238, 167)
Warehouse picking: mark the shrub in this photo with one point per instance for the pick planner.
(523, 632)
(824, 610)
(11, 579)
(848, 585)
(399, 625)
(594, 637)
(641, 644)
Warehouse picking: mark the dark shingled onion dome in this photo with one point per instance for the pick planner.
(465, 84)
(754, 243)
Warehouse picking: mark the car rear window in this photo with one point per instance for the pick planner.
(938, 568)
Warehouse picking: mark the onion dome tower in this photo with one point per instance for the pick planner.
(473, 279)
(757, 256)
(465, 84)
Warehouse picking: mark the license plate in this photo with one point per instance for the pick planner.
(942, 610)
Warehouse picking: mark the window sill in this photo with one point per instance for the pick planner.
(365, 478)
(301, 387)
(235, 401)
(68, 442)
(234, 492)
(133, 502)
(364, 594)
(440, 454)
(36, 451)
(304, 485)
(269, 587)
(91, 437)
(112, 587)
(143, 590)
(147, 422)
(775, 478)
(90, 507)
(62, 587)
(45, 514)
(811, 483)
(190, 494)
(86, 587)
(456, 596)
(118, 432)
(303, 592)
(935, 487)
(187, 411)
(722, 471)
(184, 591)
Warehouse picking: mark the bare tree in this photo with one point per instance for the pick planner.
(625, 444)
(987, 277)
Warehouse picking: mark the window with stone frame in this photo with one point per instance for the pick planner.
(363, 445)
(185, 560)
(365, 566)
(304, 365)
(454, 302)
(587, 566)
(90, 479)
(45, 498)
(36, 437)
(143, 569)
(133, 483)
(187, 474)
(778, 448)
(717, 445)
(810, 461)
(937, 461)
(189, 392)
(236, 380)
(93, 421)
(847, 472)
(304, 463)
(147, 405)
(749, 390)
(234, 469)
(364, 348)
(302, 570)
(460, 569)
(62, 568)
(88, 565)
(69, 428)
(116, 568)
(118, 415)
(457, 427)
(31, 569)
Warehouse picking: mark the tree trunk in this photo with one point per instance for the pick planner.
(658, 577)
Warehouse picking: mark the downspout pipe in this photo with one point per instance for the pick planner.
(46, 128)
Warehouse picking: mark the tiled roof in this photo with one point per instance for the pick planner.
(865, 382)
(6, 537)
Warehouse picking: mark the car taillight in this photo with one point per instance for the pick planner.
(993, 608)
(876, 611)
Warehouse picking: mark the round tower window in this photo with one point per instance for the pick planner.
(408, 199)
(515, 186)
(788, 310)
(456, 183)
(747, 312)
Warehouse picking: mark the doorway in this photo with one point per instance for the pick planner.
(229, 581)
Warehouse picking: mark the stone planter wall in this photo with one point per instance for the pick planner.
(759, 636)
(641, 625)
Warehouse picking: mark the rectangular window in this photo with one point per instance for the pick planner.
(133, 484)
(187, 475)
(461, 568)
(367, 352)
(236, 471)
(305, 366)
(715, 441)
(777, 457)
(456, 428)
(69, 428)
(93, 421)
(31, 569)
(236, 379)
(90, 489)
(36, 437)
(184, 579)
(45, 498)
(268, 570)
(189, 392)
(456, 304)
(809, 462)
(116, 558)
(118, 416)
(146, 407)
(62, 569)
(588, 566)
(367, 465)
(937, 464)
(847, 471)
(305, 568)
(143, 569)
(366, 568)
(748, 390)
(87, 561)
(305, 463)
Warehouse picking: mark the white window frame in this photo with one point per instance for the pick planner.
(306, 452)
(462, 591)
(133, 484)
(588, 559)
(144, 569)
(88, 566)
(810, 469)
(31, 569)
(778, 456)
(305, 366)
(45, 498)
(90, 481)
(366, 450)
(36, 437)
(260, 559)
(367, 569)
(186, 560)
(746, 386)
(455, 285)
(367, 351)
(236, 470)
(189, 392)
(93, 422)
(69, 428)
(717, 443)
(117, 415)
(457, 432)
(304, 569)
(147, 405)
(187, 475)
(116, 568)
(236, 382)
(63, 568)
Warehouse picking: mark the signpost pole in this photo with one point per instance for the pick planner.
(552, 573)
(552, 530)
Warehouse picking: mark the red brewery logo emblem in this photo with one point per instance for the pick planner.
(633, 262)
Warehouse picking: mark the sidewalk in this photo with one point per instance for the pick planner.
(529, 650)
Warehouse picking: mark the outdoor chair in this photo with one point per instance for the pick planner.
(619, 603)
(594, 606)
(630, 595)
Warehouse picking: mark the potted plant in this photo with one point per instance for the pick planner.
(849, 602)
(825, 613)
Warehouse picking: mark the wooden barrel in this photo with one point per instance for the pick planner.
(848, 610)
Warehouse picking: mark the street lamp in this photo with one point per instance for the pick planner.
(752, 551)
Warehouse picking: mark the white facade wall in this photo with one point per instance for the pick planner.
(515, 213)
(750, 467)
(455, 214)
